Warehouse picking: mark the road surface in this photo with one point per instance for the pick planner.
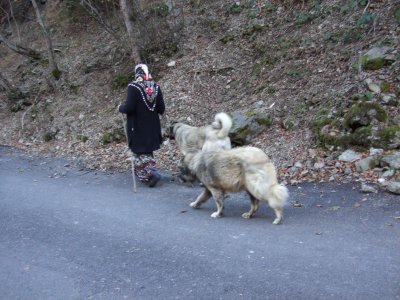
(69, 233)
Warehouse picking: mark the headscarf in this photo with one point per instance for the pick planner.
(148, 88)
(142, 72)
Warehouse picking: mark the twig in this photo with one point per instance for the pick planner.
(132, 158)
(23, 115)
(366, 7)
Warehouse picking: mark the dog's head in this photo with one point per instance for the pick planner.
(172, 129)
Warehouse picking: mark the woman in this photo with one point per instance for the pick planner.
(144, 103)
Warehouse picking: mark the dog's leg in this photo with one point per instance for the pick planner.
(278, 213)
(203, 197)
(219, 200)
(253, 208)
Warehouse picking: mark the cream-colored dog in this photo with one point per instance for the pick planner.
(243, 168)
(191, 139)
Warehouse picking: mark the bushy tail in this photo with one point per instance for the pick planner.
(263, 186)
(278, 195)
(222, 123)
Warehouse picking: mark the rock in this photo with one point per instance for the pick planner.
(298, 164)
(363, 114)
(392, 160)
(374, 151)
(373, 87)
(172, 63)
(376, 58)
(347, 171)
(394, 187)
(349, 156)
(319, 165)
(367, 188)
(389, 99)
(388, 173)
(365, 164)
(248, 125)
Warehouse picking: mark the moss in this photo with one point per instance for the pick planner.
(263, 120)
(213, 24)
(372, 64)
(56, 74)
(115, 135)
(360, 114)
(235, 8)
(160, 10)
(288, 124)
(239, 137)
(227, 38)
(361, 137)
(387, 136)
(121, 81)
(397, 14)
(106, 138)
(16, 107)
(249, 114)
(385, 87)
(48, 136)
(84, 138)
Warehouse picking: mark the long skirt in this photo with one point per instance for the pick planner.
(144, 166)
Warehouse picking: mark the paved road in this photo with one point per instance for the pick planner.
(67, 233)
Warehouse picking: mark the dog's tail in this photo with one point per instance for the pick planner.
(222, 123)
(277, 196)
(264, 186)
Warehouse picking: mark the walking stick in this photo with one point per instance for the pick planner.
(132, 158)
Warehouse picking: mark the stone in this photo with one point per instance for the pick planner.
(319, 165)
(172, 63)
(392, 160)
(388, 173)
(365, 164)
(375, 151)
(350, 156)
(376, 58)
(365, 188)
(374, 88)
(394, 187)
(248, 125)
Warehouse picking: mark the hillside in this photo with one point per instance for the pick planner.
(300, 62)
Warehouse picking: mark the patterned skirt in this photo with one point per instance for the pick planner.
(144, 166)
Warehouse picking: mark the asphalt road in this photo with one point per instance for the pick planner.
(67, 233)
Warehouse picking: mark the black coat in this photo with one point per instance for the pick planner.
(143, 123)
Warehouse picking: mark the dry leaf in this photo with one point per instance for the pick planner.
(357, 205)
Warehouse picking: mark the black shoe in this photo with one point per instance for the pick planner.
(154, 179)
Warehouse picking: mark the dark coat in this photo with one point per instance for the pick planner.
(143, 123)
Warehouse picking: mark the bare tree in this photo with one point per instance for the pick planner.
(52, 62)
(94, 12)
(20, 49)
(135, 54)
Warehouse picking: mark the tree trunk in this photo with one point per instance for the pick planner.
(20, 49)
(129, 28)
(90, 7)
(52, 62)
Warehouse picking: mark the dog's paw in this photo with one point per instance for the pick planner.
(246, 215)
(276, 221)
(194, 205)
(215, 215)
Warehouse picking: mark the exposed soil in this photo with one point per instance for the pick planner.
(290, 59)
